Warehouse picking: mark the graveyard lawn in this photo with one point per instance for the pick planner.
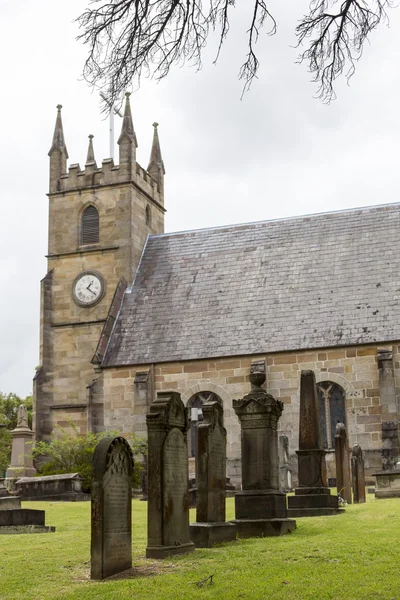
(355, 555)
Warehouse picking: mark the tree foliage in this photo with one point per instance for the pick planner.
(73, 453)
(130, 38)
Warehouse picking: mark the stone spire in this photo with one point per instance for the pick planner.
(127, 141)
(58, 153)
(156, 164)
(90, 160)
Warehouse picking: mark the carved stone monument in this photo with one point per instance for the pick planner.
(342, 457)
(21, 453)
(285, 472)
(358, 476)
(312, 498)
(168, 494)
(111, 544)
(211, 527)
(260, 508)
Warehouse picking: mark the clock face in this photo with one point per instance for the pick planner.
(88, 288)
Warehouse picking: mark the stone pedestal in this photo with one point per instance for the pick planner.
(168, 494)
(21, 453)
(211, 527)
(260, 508)
(388, 483)
(342, 457)
(357, 474)
(312, 498)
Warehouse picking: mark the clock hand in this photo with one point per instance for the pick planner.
(91, 291)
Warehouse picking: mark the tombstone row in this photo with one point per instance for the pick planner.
(260, 506)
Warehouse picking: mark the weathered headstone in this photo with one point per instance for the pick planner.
(312, 498)
(358, 476)
(285, 473)
(21, 452)
(390, 445)
(168, 494)
(342, 457)
(260, 507)
(211, 527)
(111, 545)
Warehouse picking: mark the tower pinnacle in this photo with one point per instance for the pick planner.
(90, 154)
(156, 162)
(58, 136)
(127, 130)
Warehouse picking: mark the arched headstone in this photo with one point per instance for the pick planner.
(111, 544)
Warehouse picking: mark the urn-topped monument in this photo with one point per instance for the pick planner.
(260, 507)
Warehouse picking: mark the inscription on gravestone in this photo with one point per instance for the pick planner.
(111, 544)
(175, 489)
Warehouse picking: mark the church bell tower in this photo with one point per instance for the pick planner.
(99, 220)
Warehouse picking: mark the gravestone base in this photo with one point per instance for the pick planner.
(23, 520)
(26, 529)
(206, 535)
(387, 484)
(164, 551)
(10, 502)
(305, 503)
(253, 504)
(248, 528)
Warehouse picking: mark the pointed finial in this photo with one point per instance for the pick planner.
(156, 162)
(127, 129)
(90, 154)
(58, 136)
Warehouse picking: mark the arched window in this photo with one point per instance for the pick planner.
(148, 216)
(331, 410)
(90, 226)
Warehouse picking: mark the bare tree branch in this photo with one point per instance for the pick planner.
(131, 38)
(337, 38)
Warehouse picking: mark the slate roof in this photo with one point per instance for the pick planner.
(317, 281)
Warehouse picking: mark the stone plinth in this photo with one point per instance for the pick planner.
(357, 474)
(342, 457)
(388, 483)
(23, 520)
(312, 498)
(21, 453)
(260, 508)
(168, 494)
(10, 502)
(111, 542)
(211, 527)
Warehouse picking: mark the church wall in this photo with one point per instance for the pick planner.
(355, 369)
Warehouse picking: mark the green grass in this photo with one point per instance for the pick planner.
(351, 556)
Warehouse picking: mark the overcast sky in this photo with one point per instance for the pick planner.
(279, 152)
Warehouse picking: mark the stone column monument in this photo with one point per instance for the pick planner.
(21, 453)
(168, 493)
(111, 543)
(260, 508)
(342, 457)
(211, 527)
(358, 476)
(312, 498)
(285, 473)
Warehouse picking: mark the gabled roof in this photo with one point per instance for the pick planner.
(307, 282)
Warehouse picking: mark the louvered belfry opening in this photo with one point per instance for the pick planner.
(90, 226)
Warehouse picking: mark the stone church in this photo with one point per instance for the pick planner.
(128, 310)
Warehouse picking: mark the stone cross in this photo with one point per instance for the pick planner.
(168, 493)
(211, 527)
(260, 507)
(111, 543)
(312, 497)
(342, 457)
(358, 476)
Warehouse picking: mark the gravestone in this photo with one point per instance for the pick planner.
(358, 476)
(342, 458)
(21, 451)
(285, 472)
(312, 498)
(211, 527)
(390, 445)
(111, 544)
(168, 494)
(260, 507)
